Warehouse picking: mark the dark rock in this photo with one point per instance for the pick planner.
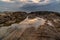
(9, 18)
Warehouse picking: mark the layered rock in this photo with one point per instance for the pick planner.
(36, 26)
(8, 18)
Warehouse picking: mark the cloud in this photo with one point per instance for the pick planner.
(7, 1)
(27, 5)
(29, 1)
(24, 1)
(36, 1)
(40, 1)
(33, 7)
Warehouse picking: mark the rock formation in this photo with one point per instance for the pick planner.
(40, 25)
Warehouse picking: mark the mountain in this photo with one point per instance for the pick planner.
(39, 25)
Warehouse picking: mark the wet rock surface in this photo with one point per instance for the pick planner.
(34, 26)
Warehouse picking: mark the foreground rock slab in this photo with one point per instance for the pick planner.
(36, 26)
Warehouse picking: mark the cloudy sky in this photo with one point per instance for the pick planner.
(30, 5)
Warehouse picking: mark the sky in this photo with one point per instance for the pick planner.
(30, 5)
